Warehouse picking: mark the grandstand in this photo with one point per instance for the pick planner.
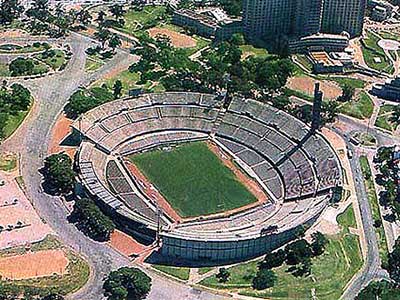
(296, 167)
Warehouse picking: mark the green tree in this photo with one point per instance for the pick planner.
(127, 284)
(377, 290)
(114, 41)
(319, 242)
(117, 11)
(91, 220)
(348, 92)
(394, 262)
(10, 10)
(273, 259)
(297, 251)
(117, 89)
(264, 279)
(223, 275)
(84, 17)
(58, 173)
(103, 36)
(21, 66)
(395, 117)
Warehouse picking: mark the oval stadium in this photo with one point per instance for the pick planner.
(205, 178)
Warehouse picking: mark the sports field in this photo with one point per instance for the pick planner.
(193, 180)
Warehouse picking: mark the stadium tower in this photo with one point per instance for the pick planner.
(316, 113)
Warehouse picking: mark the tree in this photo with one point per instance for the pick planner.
(114, 41)
(238, 39)
(117, 11)
(223, 275)
(91, 220)
(378, 290)
(297, 251)
(348, 92)
(84, 17)
(264, 279)
(394, 262)
(100, 18)
(127, 283)
(58, 173)
(273, 260)
(280, 102)
(103, 35)
(10, 10)
(117, 88)
(395, 117)
(330, 111)
(21, 98)
(319, 242)
(21, 66)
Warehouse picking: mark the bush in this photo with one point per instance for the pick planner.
(127, 283)
(91, 220)
(319, 242)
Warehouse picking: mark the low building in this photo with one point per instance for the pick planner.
(390, 90)
(380, 10)
(320, 42)
(323, 63)
(210, 23)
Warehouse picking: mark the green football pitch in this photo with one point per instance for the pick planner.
(193, 180)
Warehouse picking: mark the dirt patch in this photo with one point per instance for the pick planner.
(126, 244)
(34, 264)
(178, 40)
(306, 85)
(59, 132)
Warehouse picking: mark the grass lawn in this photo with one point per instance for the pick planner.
(305, 62)
(4, 71)
(13, 48)
(55, 61)
(129, 81)
(374, 51)
(8, 163)
(178, 272)
(194, 180)
(383, 120)
(361, 108)
(92, 64)
(374, 204)
(14, 121)
(329, 276)
(204, 270)
(250, 50)
(136, 20)
(353, 82)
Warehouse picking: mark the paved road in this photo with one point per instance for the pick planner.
(52, 94)
(372, 266)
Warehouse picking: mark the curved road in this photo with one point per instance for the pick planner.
(31, 143)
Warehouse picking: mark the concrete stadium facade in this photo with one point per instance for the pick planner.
(295, 166)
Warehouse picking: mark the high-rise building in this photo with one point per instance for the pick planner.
(343, 15)
(268, 19)
(307, 17)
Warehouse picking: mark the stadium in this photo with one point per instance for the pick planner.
(203, 178)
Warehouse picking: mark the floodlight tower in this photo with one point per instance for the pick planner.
(316, 112)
